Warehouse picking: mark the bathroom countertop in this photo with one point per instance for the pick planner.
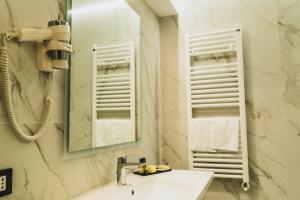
(173, 185)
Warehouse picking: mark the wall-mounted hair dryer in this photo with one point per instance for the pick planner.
(53, 50)
(53, 46)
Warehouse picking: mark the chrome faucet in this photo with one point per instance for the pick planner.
(122, 167)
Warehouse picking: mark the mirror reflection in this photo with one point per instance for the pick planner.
(105, 36)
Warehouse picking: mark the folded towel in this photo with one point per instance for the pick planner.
(112, 131)
(224, 133)
(200, 137)
(211, 134)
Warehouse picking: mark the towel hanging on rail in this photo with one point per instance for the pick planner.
(215, 133)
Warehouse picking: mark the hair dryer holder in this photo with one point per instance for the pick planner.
(53, 50)
(53, 44)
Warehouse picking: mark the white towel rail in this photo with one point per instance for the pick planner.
(217, 86)
(211, 40)
(220, 95)
(113, 90)
(118, 96)
(114, 75)
(223, 80)
(215, 105)
(212, 86)
(213, 71)
(212, 66)
(221, 100)
(214, 76)
(113, 109)
(214, 91)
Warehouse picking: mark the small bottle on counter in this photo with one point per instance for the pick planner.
(143, 166)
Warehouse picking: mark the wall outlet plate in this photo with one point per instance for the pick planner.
(2, 183)
(5, 182)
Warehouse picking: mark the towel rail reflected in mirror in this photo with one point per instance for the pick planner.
(104, 75)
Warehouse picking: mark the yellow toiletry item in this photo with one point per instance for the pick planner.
(142, 168)
(163, 167)
(151, 169)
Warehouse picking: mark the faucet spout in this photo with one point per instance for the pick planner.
(122, 167)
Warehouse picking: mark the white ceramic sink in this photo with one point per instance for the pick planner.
(174, 185)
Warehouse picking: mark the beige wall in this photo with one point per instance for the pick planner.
(40, 171)
(272, 90)
(289, 40)
(172, 96)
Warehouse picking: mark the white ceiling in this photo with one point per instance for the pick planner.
(162, 8)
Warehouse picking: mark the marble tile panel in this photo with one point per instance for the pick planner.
(40, 171)
(30, 86)
(175, 143)
(264, 103)
(293, 160)
(264, 92)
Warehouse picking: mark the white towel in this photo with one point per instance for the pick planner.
(211, 134)
(224, 133)
(200, 139)
(112, 131)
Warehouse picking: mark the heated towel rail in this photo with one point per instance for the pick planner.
(215, 87)
(114, 83)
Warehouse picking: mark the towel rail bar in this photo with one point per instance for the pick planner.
(222, 80)
(104, 76)
(223, 100)
(215, 71)
(212, 66)
(215, 91)
(220, 95)
(211, 53)
(214, 76)
(229, 171)
(215, 105)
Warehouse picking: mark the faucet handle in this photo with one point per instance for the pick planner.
(122, 159)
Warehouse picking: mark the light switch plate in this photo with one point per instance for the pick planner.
(5, 182)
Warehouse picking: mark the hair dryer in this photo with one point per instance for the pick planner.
(53, 46)
(53, 50)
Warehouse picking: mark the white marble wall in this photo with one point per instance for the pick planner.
(173, 112)
(272, 92)
(40, 171)
(289, 40)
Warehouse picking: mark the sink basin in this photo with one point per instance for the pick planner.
(173, 185)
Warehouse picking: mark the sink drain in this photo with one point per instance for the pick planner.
(132, 192)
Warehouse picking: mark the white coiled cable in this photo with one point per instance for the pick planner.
(6, 88)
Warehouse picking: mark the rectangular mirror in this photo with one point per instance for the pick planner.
(103, 74)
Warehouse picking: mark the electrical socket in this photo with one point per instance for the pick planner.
(2, 183)
(5, 182)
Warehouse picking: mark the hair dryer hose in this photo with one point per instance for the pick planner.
(9, 105)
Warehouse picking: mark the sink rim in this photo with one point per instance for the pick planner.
(139, 181)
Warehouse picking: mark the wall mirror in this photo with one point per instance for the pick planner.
(104, 74)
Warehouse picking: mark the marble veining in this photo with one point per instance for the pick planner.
(271, 59)
(289, 39)
(123, 27)
(272, 80)
(40, 171)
